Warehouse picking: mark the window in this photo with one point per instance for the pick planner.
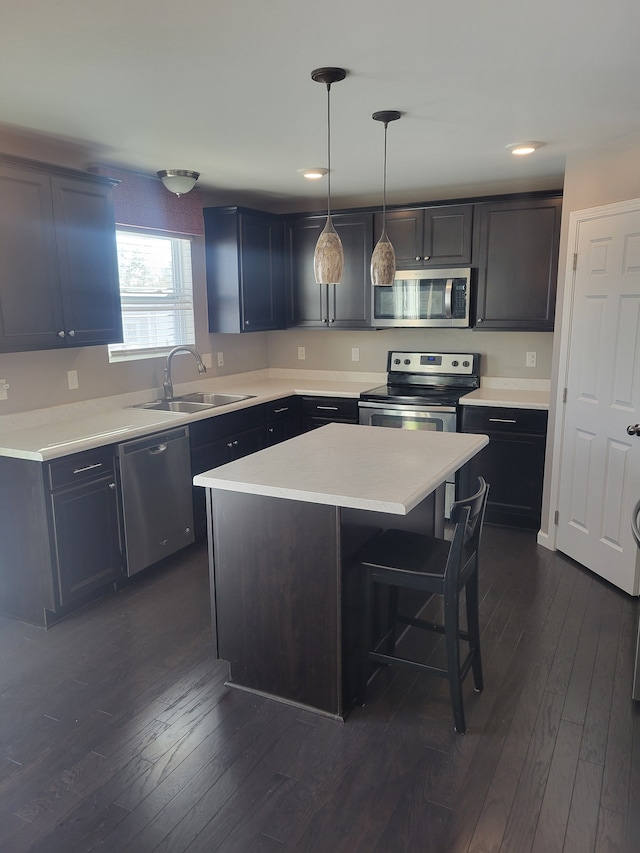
(156, 292)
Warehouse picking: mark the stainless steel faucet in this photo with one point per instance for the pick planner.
(167, 383)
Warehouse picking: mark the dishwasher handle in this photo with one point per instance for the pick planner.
(159, 448)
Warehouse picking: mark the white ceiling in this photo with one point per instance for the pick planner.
(224, 87)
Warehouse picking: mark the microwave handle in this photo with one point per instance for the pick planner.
(448, 295)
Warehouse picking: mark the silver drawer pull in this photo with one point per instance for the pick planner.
(279, 411)
(503, 420)
(328, 408)
(87, 468)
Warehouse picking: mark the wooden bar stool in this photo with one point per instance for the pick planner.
(400, 558)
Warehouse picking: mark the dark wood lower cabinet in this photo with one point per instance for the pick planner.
(318, 411)
(512, 463)
(86, 538)
(60, 533)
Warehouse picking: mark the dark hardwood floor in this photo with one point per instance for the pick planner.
(118, 733)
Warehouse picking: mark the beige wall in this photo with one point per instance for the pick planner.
(39, 379)
(503, 353)
(593, 178)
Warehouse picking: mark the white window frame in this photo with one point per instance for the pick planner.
(179, 299)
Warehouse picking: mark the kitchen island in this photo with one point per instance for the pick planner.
(283, 526)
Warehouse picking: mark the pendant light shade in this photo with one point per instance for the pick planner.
(328, 258)
(383, 259)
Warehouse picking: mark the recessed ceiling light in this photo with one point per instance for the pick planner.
(314, 174)
(522, 148)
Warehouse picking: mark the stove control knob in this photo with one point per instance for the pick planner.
(454, 363)
(407, 361)
(396, 361)
(465, 364)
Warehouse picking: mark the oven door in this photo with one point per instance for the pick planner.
(407, 417)
(412, 417)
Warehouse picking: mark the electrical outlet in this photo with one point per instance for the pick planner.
(3, 389)
(301, 354)
(72, 379)
(220, 359)
(355, 353)
(531, 359)
(206, 359)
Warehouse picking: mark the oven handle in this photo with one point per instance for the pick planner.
(405, 410)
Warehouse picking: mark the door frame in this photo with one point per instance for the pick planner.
(576, 217)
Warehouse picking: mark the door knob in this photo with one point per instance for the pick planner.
(633, 429)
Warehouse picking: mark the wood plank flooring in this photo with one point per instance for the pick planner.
(118, 733)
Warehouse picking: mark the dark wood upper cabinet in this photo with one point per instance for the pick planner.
(59, 276)
(516, 253)
(341, 306)
(429, 237)
(245, 270)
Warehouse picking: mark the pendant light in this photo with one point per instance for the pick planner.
(383, 259)
(328, 258)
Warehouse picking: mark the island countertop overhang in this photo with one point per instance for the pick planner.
(379, 469)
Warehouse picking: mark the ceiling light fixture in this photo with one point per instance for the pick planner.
(383, 259)
(314, 174)
(520, 149)
(178, 181)
(328, 258)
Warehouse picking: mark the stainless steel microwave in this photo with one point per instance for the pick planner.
(438, 298)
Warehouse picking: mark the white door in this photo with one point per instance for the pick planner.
(600, 469)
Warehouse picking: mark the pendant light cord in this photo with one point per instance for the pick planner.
(328, 149)
(384, 183)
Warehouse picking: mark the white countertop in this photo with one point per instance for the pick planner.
(372, 468)
(46, 434)
(509, 393)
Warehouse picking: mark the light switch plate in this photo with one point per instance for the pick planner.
(355, 353)
(301, 353)
(72, 379)
(220, 359)
(3, 389)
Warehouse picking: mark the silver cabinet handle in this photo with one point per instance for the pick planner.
(327, 408)
(279, 411)
(72, 334)
(112, 485)
(87, 468)
(61, 334)
(503, 420)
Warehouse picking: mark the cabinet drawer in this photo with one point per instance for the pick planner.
(499, 419)
(278, 410)
(81, 467)
(331, 408)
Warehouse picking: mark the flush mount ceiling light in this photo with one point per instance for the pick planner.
(328, 258)
(383, 259)
(314, 174)
(520, 149)
(178, 181)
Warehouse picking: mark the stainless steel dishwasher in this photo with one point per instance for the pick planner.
(155, 479)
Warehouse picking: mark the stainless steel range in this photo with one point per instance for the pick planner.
(422, 392)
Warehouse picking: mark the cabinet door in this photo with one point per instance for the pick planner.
(517, 251)
(30, 303)
(262, 273)
(346, 305)
(429, 237)
(86, 538)
(245, 270)
(86, 239)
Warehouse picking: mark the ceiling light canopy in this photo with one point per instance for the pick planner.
(521, 149)
(179, 181)
(328, 258)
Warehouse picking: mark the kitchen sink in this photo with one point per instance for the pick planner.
(191, 403)
(174, 406)
(214, 399)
